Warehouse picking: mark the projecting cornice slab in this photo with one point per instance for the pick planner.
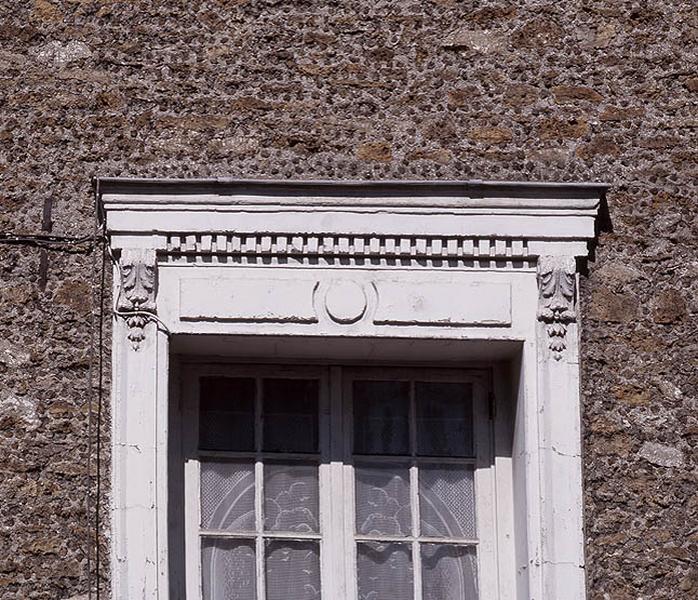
(402, 210)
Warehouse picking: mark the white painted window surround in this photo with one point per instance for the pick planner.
(431, 274)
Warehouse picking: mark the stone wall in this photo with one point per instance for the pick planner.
(534, 90)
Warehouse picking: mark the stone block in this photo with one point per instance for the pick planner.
(491, 135)
(668, 306)
(567, 94)
(375, 151)
(662, 455)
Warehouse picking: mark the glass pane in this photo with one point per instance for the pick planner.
(384, 571)
(381, 410)
(290, 415)
(226, 414)
(447, 500)
(444, 419)
(449, 572)
(383, 500)
(293, 570)
(291, 497)
(228, 569)
(227, 496)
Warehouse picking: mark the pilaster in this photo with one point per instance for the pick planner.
(139, 410)
(559, 427)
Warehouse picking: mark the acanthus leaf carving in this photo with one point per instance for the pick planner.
(137, 292)
(557, 283)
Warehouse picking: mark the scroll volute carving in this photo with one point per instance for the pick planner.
(556, 299)
(137, 293)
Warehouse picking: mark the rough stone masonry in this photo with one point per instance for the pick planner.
(533, 90)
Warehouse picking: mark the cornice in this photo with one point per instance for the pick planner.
(411, 215)
(414, 194)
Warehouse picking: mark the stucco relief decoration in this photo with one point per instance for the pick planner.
(137, 293)
(556, 299)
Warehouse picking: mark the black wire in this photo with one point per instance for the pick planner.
(96, 314)
(72, 244)
(100, 395)
(53, 242)
(98, 281)
(100, 403)
(47, 238)
(90, 402)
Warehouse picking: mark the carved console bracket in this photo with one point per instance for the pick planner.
(137, 292)
(556, 299)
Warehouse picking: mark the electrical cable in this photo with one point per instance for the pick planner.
(97, 313)
(98, 233)
(50, 241)
(83, 245)
(100, 404)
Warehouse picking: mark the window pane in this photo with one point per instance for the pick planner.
(449, 572)
(293, 570)
(381, 410)
(444, 419)
(227, 496)
(228, 569)
(290, 415)
(384, 571)
(226, 414)
(291, 498)
(383, 500)
(447, 500)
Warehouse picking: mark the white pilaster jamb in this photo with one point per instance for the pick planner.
(162, 453)
(559, 428)
(139, 434)
(135, 471)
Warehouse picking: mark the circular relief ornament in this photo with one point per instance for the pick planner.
(345, 302)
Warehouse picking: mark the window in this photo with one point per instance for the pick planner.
(337, 483)
(302, 272)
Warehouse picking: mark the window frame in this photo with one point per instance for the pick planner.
(192, 457)
(483, 469)
(336, 478)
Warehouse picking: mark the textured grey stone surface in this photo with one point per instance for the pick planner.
(661, 455)
(535, 90)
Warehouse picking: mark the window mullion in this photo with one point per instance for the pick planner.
(259, 493)
(330, 489)
(332, 568)
(347, 503)
(414, 497)
(192, 467)
(485, 496)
